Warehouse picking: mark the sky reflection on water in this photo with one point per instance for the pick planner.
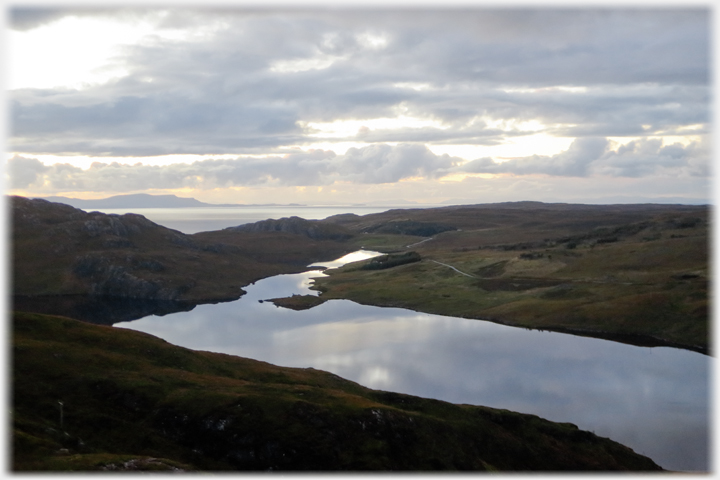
(654, 400)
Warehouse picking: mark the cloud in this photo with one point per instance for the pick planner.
(574, 162)
(592, 156)
(385, 164)
(27, 18)
(648, 157)
(372, 165)
(375, 164)
(24, 172)
(210, 82)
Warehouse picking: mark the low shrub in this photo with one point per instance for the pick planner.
(391, 260)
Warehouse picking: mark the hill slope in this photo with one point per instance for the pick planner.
(132, 401)
(635, 273)
(61, 250)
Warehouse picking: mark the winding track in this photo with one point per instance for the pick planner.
(450, 266)
(421, 241)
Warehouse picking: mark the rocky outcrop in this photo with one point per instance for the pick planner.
(109, 279)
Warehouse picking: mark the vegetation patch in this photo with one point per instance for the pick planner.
(391, 260)
(493, 270)
(565, 291)
(299, 226)
(409, 227)
(514, 284)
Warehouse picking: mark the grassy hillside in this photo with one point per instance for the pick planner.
(60, 250)
(629, 270)
(131, 401)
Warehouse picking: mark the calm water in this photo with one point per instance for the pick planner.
(654, 400)
(193, 220)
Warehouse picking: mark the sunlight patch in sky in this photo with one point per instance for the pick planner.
(524, 146)
(79, 52)
(72, 52)
(555, 88)
(514, 124)
(339, 148)
(666, 140)
(373, 41)
(417, 86)
(321, 62)
(349, 128)
(692, 128)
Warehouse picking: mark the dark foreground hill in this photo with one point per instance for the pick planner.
(93, 398)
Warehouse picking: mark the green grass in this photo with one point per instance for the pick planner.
(634, 287)
(132, 401)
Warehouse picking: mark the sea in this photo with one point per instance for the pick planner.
(203, 219)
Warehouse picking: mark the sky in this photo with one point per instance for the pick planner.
(376, 105)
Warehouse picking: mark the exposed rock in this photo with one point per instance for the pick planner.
(105, 224)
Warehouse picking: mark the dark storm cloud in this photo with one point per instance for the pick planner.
(240, 86)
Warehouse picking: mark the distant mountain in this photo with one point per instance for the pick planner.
(144, 200)
(138, 200)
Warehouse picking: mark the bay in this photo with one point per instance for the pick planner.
(654, 400)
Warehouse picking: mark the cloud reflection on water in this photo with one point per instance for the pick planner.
(652, 399)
